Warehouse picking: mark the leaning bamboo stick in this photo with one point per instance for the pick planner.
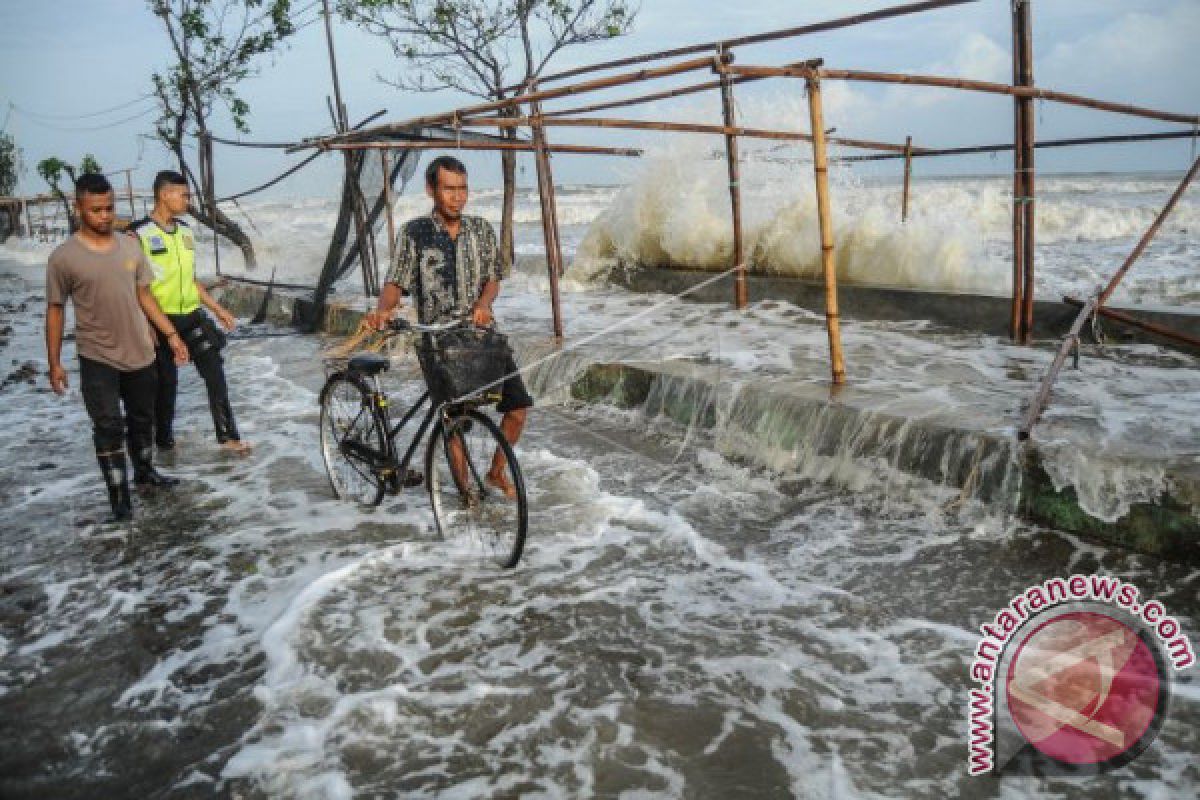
(1040, 144)
(1043, 394)
(1150, 233)
(986, 87)
(1141, 324)
(825, 220)
(545, 180)
(769, 36)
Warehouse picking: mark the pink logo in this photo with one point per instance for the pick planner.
(1085, 689)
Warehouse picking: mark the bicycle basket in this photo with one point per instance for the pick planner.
(461, 363)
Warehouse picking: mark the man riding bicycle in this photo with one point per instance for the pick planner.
(451, 264)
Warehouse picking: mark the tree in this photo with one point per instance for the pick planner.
(482, 47)
(216, 44)
(52, 170)
(10, 164)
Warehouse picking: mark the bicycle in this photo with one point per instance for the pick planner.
(359, 445)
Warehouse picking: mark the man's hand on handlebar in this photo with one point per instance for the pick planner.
(481, 316)
(378, 320)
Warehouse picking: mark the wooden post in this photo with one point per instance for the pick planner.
(740, 298)
(824, 216)
(387, 207)
(545, 180)
(907, 178)
(1018, 214)
(1029, 227)
(129, 193)
(28, 221)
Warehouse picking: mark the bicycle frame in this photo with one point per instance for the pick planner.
(400, 465)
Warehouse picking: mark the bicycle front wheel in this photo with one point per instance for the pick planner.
(468, 466)
(352, 440)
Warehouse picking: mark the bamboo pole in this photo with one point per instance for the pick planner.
(451, 117)
(740, 298)
(545, 180)
(1018, 216)
(1141, 324)
(1029, 137)
(1039, 145)
(678, 127)
(28, 221)
(451, 144)
(825, 220)
(986, 87)
(664, 95)
(1043, 395)
(769, 36)
(1150, 233)
(385, 162)
(907, 178)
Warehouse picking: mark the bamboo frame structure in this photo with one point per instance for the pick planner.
(451, 144)
(545, 177)
(1025, 119)
(388, 200)
(1141, 324)
(926, 152)
(908, 154)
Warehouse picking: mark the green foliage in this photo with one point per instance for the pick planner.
(53, 168)
(10, 164)
(217, 44)
(482, 46)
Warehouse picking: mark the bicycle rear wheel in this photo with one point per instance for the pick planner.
(470, 509)
(352, 440)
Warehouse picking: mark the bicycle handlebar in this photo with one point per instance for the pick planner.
(404, 326)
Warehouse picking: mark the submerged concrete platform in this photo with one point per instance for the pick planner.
(979, 313)
(845, 436)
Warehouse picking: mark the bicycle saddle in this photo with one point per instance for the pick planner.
(369, 363)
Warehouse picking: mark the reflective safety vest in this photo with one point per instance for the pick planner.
(173, 258)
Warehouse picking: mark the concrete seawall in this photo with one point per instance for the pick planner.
(810, 433)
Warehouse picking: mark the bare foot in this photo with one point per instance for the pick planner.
(500, 481)
(237, 446)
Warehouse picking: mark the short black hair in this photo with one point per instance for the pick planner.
(448, 163)
(168, 177)
(92, 183)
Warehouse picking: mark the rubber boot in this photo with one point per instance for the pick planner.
(144, 473)
(112, 467)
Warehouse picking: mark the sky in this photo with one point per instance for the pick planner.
(77, 78)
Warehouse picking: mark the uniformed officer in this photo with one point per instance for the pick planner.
(169, 244)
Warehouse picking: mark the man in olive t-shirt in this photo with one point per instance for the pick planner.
(107, 279)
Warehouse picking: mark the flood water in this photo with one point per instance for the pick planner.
(683, 623)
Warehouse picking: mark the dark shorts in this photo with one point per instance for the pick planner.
(513, 395)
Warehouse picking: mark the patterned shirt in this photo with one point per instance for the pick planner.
(445, 275)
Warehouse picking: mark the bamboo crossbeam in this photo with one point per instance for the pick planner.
(1041, 143)
(758, 38)
(451, 117)
(987, 87)
(679, 127)
(664, 95)
(1150, 233)
(1141, 324)
(453, 144)
(1043, 394)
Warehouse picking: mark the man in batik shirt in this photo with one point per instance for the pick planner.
(450, 263)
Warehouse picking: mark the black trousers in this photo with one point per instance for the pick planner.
(211, 367)
(105, 389)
